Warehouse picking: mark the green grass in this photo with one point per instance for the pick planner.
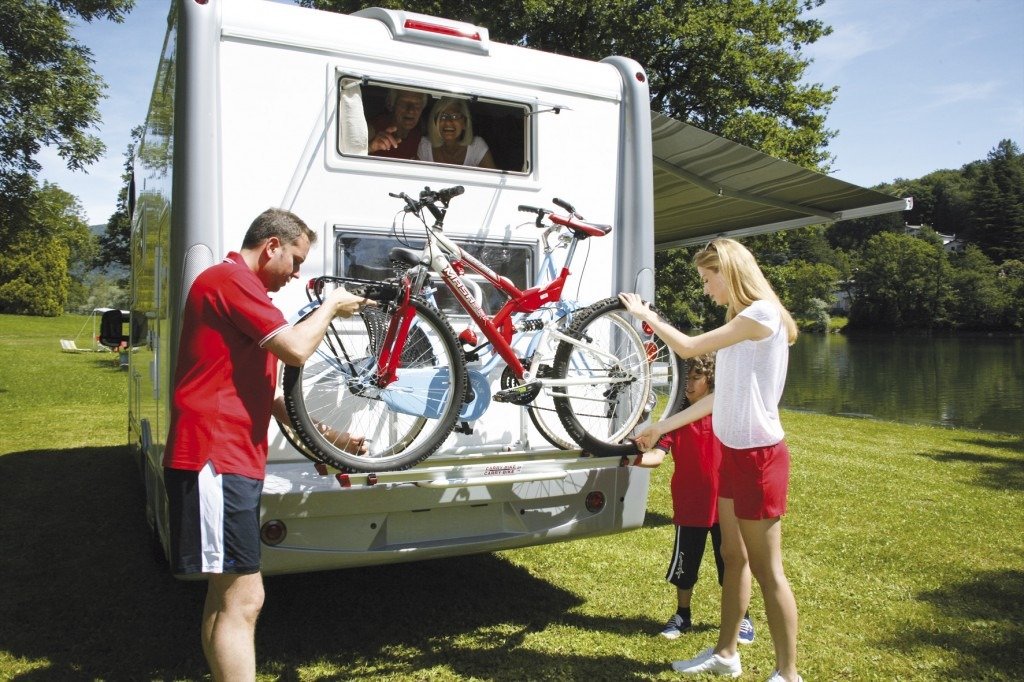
(904, 546)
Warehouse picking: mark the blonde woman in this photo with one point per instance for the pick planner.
(752, 358)
(451, 138)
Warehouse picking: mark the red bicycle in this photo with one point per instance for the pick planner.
(398, 374)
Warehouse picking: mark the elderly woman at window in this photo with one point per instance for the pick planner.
(451, 138)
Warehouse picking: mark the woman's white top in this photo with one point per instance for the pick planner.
(474, 152)
(749, 378)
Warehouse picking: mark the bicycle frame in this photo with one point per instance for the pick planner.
(499, 329)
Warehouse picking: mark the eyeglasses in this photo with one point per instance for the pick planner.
(450, 117)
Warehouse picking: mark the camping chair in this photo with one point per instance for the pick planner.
(68, 346)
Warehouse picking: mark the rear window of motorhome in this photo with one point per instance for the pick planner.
(366, 257)
(435, 127)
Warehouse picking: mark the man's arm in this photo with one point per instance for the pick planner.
(294, 345)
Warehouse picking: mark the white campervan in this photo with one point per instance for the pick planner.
(260, 104)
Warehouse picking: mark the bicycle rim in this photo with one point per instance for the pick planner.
(628, 378)
(542, 410)
(335, 391)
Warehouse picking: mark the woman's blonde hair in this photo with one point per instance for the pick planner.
(442, 105)
(743, 277)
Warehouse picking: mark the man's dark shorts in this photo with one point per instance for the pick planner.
(214, 521)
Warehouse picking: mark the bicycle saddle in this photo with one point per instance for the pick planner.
(407, 256)
(582, 228)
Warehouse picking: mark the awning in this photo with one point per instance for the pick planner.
(706, 186)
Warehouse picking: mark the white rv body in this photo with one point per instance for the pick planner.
(246, 114)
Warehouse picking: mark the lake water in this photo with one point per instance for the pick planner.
(974, 382)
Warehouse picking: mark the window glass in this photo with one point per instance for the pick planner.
(366, 257)
(431, 127)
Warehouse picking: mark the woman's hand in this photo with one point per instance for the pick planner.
(637, 307)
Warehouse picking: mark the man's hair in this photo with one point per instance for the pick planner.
(276, 222)
(393, 93)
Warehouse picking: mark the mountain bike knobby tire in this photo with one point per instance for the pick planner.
(335, 391)
(602, 416)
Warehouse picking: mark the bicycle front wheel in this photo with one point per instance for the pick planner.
(335, 398)
(619, 377)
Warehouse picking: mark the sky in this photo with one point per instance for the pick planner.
(923, 85)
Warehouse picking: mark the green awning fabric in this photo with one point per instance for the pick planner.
(706, 186)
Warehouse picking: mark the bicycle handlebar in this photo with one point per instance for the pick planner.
(429, 199)
(562, 203)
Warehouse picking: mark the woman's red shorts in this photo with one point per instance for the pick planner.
(756, 480)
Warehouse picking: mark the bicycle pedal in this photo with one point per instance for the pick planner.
(524, 394)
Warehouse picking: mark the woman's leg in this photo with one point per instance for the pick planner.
(736, 584)
(763, 541)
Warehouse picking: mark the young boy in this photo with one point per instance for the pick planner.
(697, 455)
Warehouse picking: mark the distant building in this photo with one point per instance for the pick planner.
(949, 241)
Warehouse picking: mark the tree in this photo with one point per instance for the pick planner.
(55, 241)
(808, 285)
(115, 243)
(48, 91)
(1011, 280)
(731, 68)
(997, 215)
(679, 293)
(979, 302)
(902, 283)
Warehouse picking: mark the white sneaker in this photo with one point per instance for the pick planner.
(776, 677)
(710, 662)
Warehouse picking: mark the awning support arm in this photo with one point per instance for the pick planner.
(719, 190)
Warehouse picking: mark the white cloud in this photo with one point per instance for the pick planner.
(957, 93)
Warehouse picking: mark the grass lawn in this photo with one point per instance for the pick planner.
(904, 546)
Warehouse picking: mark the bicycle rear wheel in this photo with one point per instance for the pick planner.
(625, 378)
(335, 393)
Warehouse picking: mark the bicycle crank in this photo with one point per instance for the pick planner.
(514, 392)
(523, 394)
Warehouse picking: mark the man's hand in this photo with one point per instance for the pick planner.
(636, 307)
(345, 304)
(385, 140)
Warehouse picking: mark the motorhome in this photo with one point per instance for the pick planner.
(258, 104)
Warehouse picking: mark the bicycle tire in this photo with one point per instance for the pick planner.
(404, 422)
(601, 415)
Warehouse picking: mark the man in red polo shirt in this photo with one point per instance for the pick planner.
(232, 337)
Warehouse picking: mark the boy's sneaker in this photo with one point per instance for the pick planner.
(776, 677)
(675, 626)
(746, 631)
(710, 662)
